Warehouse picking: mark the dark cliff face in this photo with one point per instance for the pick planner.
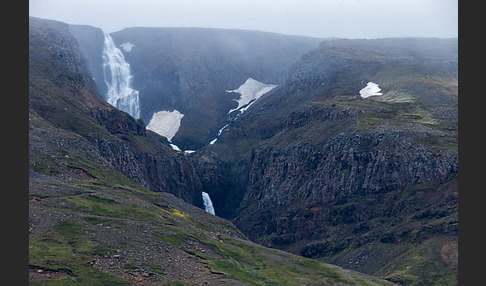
(190, 69)
(349, 181)
(357, 201)
(63, 98)
(94, 218)
(90, 41)
(355, 181)
(311, 167)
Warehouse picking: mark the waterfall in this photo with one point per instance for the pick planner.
(208, 205)
(117, 77)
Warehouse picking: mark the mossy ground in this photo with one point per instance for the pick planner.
(422, 263)
(87, 221)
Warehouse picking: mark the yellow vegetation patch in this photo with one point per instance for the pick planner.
(178, 213)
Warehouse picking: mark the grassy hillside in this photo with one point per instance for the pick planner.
(100, 208)
(106, 229)
(366, 183)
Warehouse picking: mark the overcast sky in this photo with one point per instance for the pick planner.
(318, 18)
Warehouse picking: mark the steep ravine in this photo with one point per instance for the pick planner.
(349, 183)
(101, 210)
(189, 70)
(63, 94)
(366, 183)
(311, 168)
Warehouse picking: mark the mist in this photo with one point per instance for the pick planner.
(315, 18)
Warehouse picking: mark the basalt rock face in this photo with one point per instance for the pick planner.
(369, 183)
(190, 69)
(90, 41)
(311, 167)
(348, 184)
(63, 98)
(359, 202)
(96, 216)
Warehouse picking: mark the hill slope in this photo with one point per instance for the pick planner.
(369, 183)
(99, 211)
(189, 70)
(62, 94)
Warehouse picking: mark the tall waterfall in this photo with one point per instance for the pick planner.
(117, 77)
(208, 205)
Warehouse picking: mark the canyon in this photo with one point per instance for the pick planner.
(340, 152)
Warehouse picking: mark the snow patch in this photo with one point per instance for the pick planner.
(175, 147)
(250, 91)
(127, 46)
(370, 89)
(166, 123)
(219, 133)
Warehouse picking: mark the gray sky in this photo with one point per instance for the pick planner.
(319, 18)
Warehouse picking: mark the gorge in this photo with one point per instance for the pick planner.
(282, 147)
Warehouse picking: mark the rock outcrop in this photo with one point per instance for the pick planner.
(311, 168)
(100, 208)
(190, 69)
(64, 94)
(354, 181)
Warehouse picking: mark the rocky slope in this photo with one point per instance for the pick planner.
(100, 208)
(366, 183)
(63, 100)
(190, 69)
(112, 231)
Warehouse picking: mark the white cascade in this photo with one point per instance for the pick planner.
(208, 205)
(117, 77)
(219, 133)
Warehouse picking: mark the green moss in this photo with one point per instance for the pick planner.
(94, 220)
(68, 249)
(102, 251)
(53, 254)
(174, 239)
(94, 198)
(104, 177)
(155, 268)
(69, 229)
(129, 266)
(439, 142)
(251, 264)
(44, 164)
(423, 265)
(96, 207)
(86, 276)
(176, 283)
(395, 113)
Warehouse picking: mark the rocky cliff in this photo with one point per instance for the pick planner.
(190, 70)
(64, 99)
(370, 183)
(100, 208)
(322, 166)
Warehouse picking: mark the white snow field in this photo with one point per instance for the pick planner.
(370, 89)
(250, 91)
(127, 46)
(166, 123)
(175, 147)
